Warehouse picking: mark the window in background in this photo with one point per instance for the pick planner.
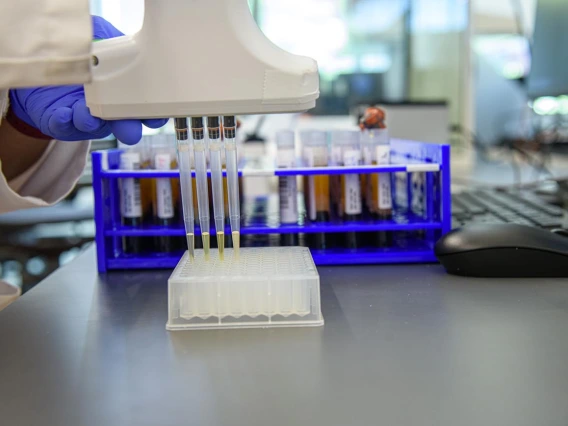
(509, 54)
(439, 55)
(359, 45)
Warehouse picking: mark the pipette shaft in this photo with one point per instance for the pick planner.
(215, 146)
(184, 161)
(229, 127)
(199, 151)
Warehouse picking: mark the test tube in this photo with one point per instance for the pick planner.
(316, 190)
(184, 162)
(165, 211)
(144, 147)
(130, 201)
(215, 146)
(229, 129)
(287, 185)
(199, 152)
(336, 159)
(379, 196)
(351, 184)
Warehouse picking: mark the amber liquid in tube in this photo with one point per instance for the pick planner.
(317, 194)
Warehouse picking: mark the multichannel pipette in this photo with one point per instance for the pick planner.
(184, 161)
(215, 146)
(199, 150)
(229, 129)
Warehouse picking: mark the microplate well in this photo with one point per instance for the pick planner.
(262, 287)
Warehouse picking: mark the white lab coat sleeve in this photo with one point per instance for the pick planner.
(49, 180)
(44, 42)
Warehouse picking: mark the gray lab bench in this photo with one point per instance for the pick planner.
(402, 345)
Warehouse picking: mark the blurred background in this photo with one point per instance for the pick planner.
(482, 75)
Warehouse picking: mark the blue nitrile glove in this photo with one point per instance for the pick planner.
(60, 112)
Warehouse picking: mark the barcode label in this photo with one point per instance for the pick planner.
(164, 199)
(418, 193)
(353, 204)
(130, 200)
(384, 196)
(130, 196)
(287, 188)
(384, 188)
(288, 199)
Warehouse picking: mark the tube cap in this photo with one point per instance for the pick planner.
(346, 137)
(313, 137)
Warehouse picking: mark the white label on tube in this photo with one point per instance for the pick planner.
(383, 154)
(353, 204)
(336, 157)
(368, 154)
(164, 198)
(316, 156)
(286, 158)
(385, 198)
(384, 188)
(287, 188)
(351, 157)
(130, 202)
(288, 199)
(312, 189)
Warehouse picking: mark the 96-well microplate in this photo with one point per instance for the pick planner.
(262, 287)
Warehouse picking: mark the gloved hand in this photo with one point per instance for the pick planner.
(60, 112)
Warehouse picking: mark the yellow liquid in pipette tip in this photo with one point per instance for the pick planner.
(236, 242)
(190, 245)
(221, 244)
(206, 245)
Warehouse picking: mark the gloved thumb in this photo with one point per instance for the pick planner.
(127, 131)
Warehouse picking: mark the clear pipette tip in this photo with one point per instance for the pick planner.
(184, 164)
(199, 151)
(215, 147)
(190, 246)
(206, 244)
(236, 242)
(230, 128)
(221, 244)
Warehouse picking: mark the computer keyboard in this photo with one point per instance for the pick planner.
(499, 206)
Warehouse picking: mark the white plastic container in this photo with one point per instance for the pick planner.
(264, 287)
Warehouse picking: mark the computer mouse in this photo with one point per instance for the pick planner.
(503, 250)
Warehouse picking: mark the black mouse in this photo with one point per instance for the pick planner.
(503, 250)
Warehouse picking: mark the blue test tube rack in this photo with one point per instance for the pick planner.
(419, 205)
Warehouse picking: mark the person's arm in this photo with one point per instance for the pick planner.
(18, 152)
(44, 139)
(44, 42)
